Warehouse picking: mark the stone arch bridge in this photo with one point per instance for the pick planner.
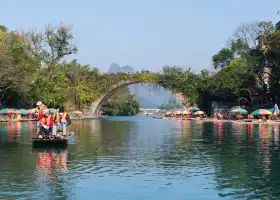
(98, 103)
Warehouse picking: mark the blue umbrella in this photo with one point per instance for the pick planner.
(194, 109)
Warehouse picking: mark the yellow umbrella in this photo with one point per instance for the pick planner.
(187, 112)
(177, 112)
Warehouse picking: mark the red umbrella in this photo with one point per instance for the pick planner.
(7, 111)
(31, 111)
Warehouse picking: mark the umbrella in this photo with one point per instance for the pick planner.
(31, 111)
(193, 109)
(7, 111)
(199, 112)
(23, 111)
(262, 112)
(239, 111)
(76, 112)
(187, 112)
(177, 112)
(274, 110)
(168, 113)
(52, 111)
(235, 107)
(36, 110)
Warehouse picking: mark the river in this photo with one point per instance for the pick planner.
(143, 158)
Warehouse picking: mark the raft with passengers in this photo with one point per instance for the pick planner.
(52, 125)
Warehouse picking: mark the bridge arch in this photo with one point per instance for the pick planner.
(98, 103)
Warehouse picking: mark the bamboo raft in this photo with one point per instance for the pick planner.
(49, 140)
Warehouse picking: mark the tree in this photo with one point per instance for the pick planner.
(222, 57)
(80, 78)
(3, 28)
(122, 103)
(249, 33)
(50, 47)
(171, 104)
(15, 66)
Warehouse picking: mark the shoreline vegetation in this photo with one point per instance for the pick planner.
(33, 67)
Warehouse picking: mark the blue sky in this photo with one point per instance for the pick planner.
(142, 33)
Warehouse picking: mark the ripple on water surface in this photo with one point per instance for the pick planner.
(143, 158)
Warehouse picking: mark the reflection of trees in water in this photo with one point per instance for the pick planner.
(245, 162)
(17, 168)
(115, 136)
(248, 166)
(184, 152)
(103, 138)
(16, 131)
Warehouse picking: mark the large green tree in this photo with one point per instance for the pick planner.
(122, 103)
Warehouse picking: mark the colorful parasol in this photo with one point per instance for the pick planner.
(187, 112)
(168, 113)
(76, 112)
(272, 110)
(23, 111)
(52, 110)
(239, 111)
(262, 112)
(194, 109)
(31, 111)
(177, 112)
(235, 107)
(199, 112)
(7, 111)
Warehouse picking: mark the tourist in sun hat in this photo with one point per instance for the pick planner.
(41, 107)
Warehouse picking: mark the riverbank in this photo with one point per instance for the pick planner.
(72, 118)
(244, 121)
(89, 117)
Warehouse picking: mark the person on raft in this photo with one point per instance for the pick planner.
(41, 108)
(46, 124)
(62, 118)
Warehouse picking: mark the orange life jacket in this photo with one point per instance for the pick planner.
(46, 120)
(57, 117)
(63, 117)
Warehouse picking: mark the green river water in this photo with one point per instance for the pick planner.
(135, 158)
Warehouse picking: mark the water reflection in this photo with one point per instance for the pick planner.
(16, 132)
(52, 160)
(143, 159)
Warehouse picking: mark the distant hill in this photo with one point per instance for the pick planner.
(149, 96)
